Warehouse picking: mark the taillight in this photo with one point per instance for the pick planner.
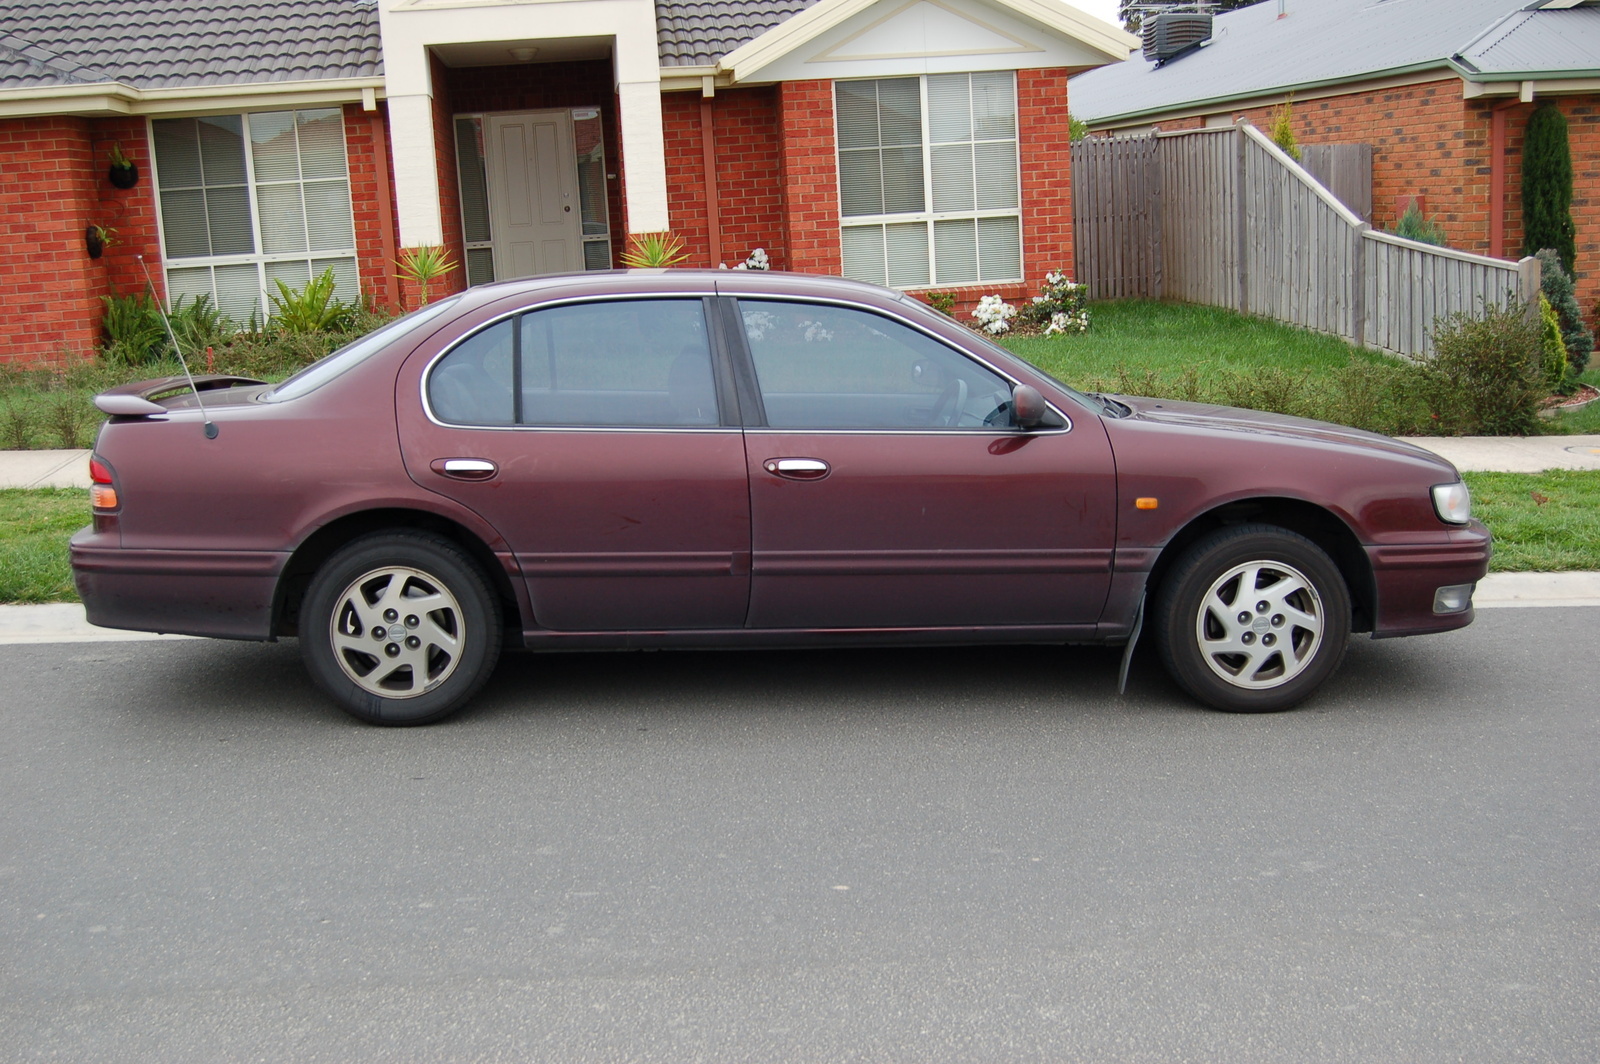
(102, 488)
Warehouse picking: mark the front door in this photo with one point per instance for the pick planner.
(533, 194)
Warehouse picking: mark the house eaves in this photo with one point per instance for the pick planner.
(106, 99)
(1545, 44)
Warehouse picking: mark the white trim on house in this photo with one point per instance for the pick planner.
(110, 99)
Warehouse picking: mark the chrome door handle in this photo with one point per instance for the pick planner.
(464, 468)
(797, 468)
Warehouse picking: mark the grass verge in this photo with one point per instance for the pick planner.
(1542, 522)
(35, 524)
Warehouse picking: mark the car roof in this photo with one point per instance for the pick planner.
(667, 281)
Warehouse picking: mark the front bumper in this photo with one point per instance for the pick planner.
(1408, 575)
(223, 594)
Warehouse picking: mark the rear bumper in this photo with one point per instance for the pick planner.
(223, 594)
(1407, 576)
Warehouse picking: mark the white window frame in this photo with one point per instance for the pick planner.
(928, 216)
(258, 259)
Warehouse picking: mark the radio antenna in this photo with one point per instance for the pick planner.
(210, 426)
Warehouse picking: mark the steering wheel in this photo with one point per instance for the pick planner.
(955, 397)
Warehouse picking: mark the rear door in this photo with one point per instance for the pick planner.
(595, 437)
(889, 490)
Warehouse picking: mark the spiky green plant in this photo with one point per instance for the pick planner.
(654, 251)
(311, 309)
(423, 265)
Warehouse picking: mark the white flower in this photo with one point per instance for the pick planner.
(758, 260)
(994, 314)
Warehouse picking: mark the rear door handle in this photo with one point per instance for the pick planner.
(797, 468)
(464, 468)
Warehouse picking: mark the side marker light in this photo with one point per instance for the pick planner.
(1145, 503)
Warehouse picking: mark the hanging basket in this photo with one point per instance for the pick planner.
(123, 176)
(94, 242)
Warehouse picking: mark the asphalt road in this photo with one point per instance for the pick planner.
(970, 855)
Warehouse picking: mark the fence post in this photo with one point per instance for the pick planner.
(1241, 219)
(1529, 278)
(1358, 285)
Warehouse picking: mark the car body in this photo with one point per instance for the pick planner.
(717, 459)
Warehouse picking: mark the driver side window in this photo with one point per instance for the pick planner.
(827, 367)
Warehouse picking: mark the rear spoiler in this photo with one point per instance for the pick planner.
(139, 398)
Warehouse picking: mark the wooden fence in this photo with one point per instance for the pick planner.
(1223, 217)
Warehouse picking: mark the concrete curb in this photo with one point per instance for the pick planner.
(63, 622)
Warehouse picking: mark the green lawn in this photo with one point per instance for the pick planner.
(1562, 532)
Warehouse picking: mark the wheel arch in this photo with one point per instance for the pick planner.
(1316, 523)
(329, 538)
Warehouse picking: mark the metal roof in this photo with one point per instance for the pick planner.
(1319, 42)
(150, 44)
(699, 32)
(1555, 43)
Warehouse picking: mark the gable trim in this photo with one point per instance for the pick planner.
(833, 54)
(750, 57)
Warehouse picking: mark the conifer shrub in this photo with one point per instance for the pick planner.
(1547, 186)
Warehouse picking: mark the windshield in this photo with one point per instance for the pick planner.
(354, 353)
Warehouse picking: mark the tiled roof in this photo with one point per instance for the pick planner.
(699, 32)
(157, 43)
(1254, 52)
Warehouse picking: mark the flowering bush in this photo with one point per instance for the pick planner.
(994, 315)
(1061, 308)
(757, 260)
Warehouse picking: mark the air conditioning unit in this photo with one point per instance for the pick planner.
(1167, 34)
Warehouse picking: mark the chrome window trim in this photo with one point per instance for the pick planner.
(935, 337)
(427, 371)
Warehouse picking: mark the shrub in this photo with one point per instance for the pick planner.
(994, 315)
(1555, 352)
(1486, 376)
(1282, 132)
(1547, 186)
(16, 428)
(1413, 225)
(1077, 128)
(654, 251)
(423, 265)
(198, 324)
(67, 420)
(1555, 283)
(133, 329)
(311, 309)
(943, 302)
(1061, 306)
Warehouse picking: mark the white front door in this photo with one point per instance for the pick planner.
(533, 194)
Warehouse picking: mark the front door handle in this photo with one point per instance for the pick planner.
(464, 468)
(797, 468)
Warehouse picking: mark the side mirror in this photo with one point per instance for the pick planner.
(1028, 407)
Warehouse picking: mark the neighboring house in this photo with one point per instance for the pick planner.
(1442, 89)
(919, 143)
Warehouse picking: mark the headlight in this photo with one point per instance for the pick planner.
(1453, 503)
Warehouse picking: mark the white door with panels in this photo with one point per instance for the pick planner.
(533, 194)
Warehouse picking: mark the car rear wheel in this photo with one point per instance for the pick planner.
(400, 628)
(1252, 619)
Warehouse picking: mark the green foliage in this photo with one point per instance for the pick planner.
(423, 265)
(1555, 352)
(1414, 226)
(1555, 283)
(198, 324)
(16, 428)
(1077, 128)
(943, 302)
(1060, 307)
(35, 525)
(133, 329)
(1282, 132)
(1542, 522)
(654, 251)
(312, 309)
(1486, 376)
(1547, 186)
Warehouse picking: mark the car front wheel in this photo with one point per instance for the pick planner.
(400, 628)
(1252, 619)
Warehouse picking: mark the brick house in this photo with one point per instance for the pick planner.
(1442, 89)
(918, 143)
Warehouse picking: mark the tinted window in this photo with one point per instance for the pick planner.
(620, 362)
(638, 363)
(823, 367)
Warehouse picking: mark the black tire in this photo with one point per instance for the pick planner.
(1226, 652)
(393, 666)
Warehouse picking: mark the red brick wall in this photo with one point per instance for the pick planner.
(745, 127)
(50, 288)
(1583, 141)
(1046, 150)
(809, 175)
(372, 262)
(132, 212)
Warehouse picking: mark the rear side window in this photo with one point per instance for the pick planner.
(625, 363)
(827, 367)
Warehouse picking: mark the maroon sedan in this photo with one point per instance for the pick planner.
(686, 459)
